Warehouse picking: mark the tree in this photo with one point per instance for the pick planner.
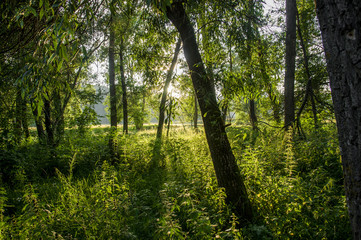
(125, 27)
(112, 88)
(165, 91)
(227, 171)
(340, 23)
(289, 85)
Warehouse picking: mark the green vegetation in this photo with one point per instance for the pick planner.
(73, 192)
(254, 154)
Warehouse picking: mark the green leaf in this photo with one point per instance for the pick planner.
(50, 60)
(64, 53)
(41, 13)
(40, 106)
(32, 10)
(244, 136)
(60, 64)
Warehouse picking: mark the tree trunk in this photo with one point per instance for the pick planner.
(252, 114)
(165, 90)
(18, 117)
(24, 118)
(124, 89)
(225, 112)
(195, 115)
(227, 171)
(289, 85)
(140, 126)
(48, 123)
(112, 91)
(58, 121)
(38, 123)
(169, 115)
(340, 23)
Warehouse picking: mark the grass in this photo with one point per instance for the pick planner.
(72, 192)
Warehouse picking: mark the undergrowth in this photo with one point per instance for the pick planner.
(73, 192)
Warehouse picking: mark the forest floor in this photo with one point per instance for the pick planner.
(73, 192)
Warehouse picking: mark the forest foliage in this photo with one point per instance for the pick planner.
(295, 186)
(226, 166)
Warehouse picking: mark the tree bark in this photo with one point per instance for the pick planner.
(289, 85)
(340, 23)
(24, 118)
(165, 90)
(48, 123)
(124, 89)
(58, 121)
(140, 126)
(225, 112)
(38, 123)
(112, 91)
(227, 171)
(195, 114)
(18, 117)
(252, 114)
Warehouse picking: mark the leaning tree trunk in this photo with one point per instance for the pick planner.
(227, 171)
(158, 140)
(165, 90)
(289, 85)
(340, 23)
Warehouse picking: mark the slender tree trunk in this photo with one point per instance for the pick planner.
(169, 115)
(252, 114)
(38, 123)
(289, 85)
(18, 117)
(225, 112)
(275, 106)
(143, 110)
(165, 89)
(112, 91)
(314, 109)
(251, 38)
(48, 123)
(124, 89)
(58, 122)
(340, 23)
(24, 118)
(195, 115)
(227, 171)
